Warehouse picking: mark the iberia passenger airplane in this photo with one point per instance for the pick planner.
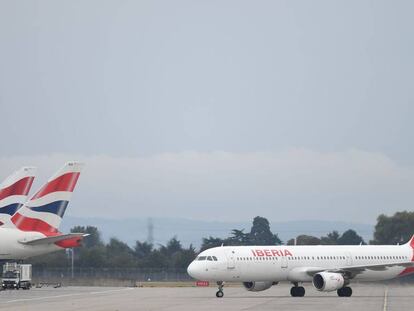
(329, 268)
(34, 227)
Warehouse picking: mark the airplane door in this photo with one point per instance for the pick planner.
(348, 259)
(231, 261)
(284, 262)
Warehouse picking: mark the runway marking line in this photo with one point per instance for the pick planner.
(385, 299)
(66, 295)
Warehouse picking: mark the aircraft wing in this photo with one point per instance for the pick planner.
(352, 271)
(54, 239)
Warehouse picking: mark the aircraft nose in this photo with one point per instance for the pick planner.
(191, 269)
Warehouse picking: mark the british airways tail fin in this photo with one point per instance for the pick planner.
(14, 191)
(44, 211)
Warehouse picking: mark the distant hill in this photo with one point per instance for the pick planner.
(192, 231)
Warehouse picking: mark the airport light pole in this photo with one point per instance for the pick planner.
(72, 261)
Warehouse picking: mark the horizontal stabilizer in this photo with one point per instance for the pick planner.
(54, 239)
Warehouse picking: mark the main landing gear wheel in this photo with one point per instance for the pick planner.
(297, 291)
(344, 292)
(220, 292)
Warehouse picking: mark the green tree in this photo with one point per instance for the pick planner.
(211, 242)
(119, 254)
(260, 233)
(183, 258)
(157, 259)
(350, 237)
(58, 259)
(394, 229)
(238, 237)
(92, 253)
(93, 257)
(305, 240)
(94, 237)
(143, 249)
(330, 239)
(173, 246)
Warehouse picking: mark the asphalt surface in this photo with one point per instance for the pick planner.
(366, 297)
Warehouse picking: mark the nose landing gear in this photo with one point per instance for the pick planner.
(220, 293)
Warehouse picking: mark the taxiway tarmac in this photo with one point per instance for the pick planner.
(366, 297)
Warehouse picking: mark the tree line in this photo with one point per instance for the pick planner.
(95, 253)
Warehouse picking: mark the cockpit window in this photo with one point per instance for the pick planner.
(209, 258)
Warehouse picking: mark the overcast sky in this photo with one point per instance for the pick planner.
(214, 109)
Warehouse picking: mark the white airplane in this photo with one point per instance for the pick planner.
(33, 229)
(14, 191)
(329, 268)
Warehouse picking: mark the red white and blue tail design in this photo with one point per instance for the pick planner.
(44, 211)
(14, 191)
(409, 270)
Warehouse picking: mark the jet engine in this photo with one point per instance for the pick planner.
(328, 281)
(257, 286)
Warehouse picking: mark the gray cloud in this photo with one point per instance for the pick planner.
(312, 100)
(289, 185)
(128, 78)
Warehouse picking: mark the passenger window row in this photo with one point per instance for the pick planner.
(292, 258)
(320, 257)
(257, 258)
(381, 257)
(330, 257)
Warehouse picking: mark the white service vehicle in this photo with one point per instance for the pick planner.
(17, 276)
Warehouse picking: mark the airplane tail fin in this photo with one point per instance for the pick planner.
(14, 191)
(45, 209)
(411, 242)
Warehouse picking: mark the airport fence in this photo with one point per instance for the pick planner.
(108, 276)
(123, 276)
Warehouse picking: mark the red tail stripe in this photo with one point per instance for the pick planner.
(409, 270)
(69, 243)
(32, 224)
(21, 187)
(65, 182)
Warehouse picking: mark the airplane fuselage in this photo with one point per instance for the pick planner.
(292, 263)
(12, 245)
